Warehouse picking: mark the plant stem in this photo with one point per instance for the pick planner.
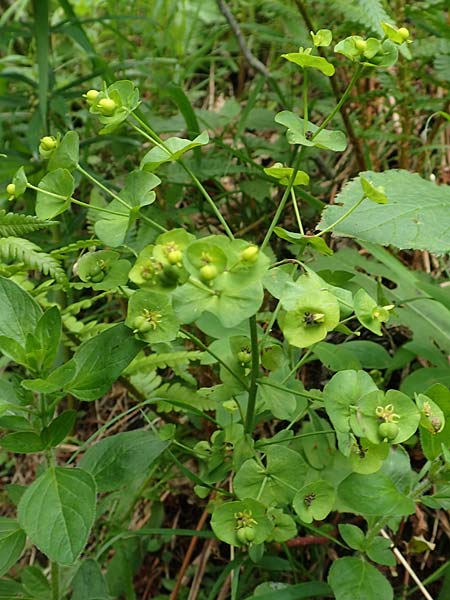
(305, 101)
(154, 137)
(283, 200)
(103, 187)
(253, 376)
(341, 102)
(297, 212)
(55, 580)
(283, 388)
(344, 216)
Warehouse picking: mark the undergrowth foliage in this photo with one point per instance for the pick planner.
(217, 328)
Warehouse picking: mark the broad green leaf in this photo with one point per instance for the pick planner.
(369, 354)
(305, 60)
(100, 360)
(66, 155)
(22, 442)
(19, 312)
(336, 357)
(138, 187)
(224, 521)
(58, 429)
(379, 551)
(276, 483)
(151, 317)
(432, 442)
(12, 544)
(55, 191)
(117, 460)
(314, 501)
(323, 37)
(355, 579)
(373, 495)
(275, 590)
(353, 536)
(284, 174)
(326, 139)
(416, 215)
(20, 181)
(36, 583)
(176, 147)
(301, 240)
(57, 512)
(89, 583)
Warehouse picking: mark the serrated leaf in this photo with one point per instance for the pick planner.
(416, 215)
(22, 250)
(57, 512)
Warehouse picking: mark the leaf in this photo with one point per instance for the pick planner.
(326, 139)
(224, 521)
(19, 312)
(100, 360)
(119, 459)
(416, 215)
(176, 147)
(373, 495)
(355, 579)
(281, 591)
(305, 60)
(301, 240)
(57, 512)
(59, 428)
(55, 192)
(89, 583)
(314, 501)
(66, 155)
(353, 536)
(22, 442)
(18, 224)
(284, 174)
(12, 544)
(22, 250)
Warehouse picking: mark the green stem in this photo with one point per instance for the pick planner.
(283, 388)
(103, 187)
(154, 137)
(298, 365)
(253, 376)
(344, 216)
(55, 580)
(283, 200)
(305, 101)
(201, 345)
(297, 212)
(300, 436)
(341, 102)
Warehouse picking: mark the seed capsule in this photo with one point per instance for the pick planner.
(107, 106)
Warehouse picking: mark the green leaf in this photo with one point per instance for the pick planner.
(326, 139)
(55, 192)
(138, 187)
(375, 194)
(407, 221)
(373, 495)
(57, 512)
(13, 224)
(100, 360)
(20, 181)
(176, 147)
(301, 240)
(117, 460)
(306, 60)
(151, 316)
(22, 442)
(275, 590)
(66, 155)
(356, 579)
(89, 583)
(322, 38)
(59, 428)
(342, 391)
(36, 583)
(284, 475)
(353, 536)
(379, 551)
(370, 354)
(284, 174)
(432, 442)
(19, 312)
(314, 501)
(224, 521)
(12, 544)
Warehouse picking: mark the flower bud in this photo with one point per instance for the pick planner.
(404, 33)
(91, 96)
(11, 189)
(250, 254)
(107, 106)
(48, 143)
(208, 272)
(361, 45)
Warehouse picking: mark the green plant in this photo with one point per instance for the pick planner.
(277, 456)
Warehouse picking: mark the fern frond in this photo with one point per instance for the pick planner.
(170, 396)
(18, 224)
(79, 245)
(161, 361)
(374, 13)
(85, 304)
(24, 251)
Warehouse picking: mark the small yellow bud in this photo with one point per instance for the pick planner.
(404, 33)
(107, 106)
(250, 254)
(361, 45)
(48, 142)
(11, 189)
(91, 95)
